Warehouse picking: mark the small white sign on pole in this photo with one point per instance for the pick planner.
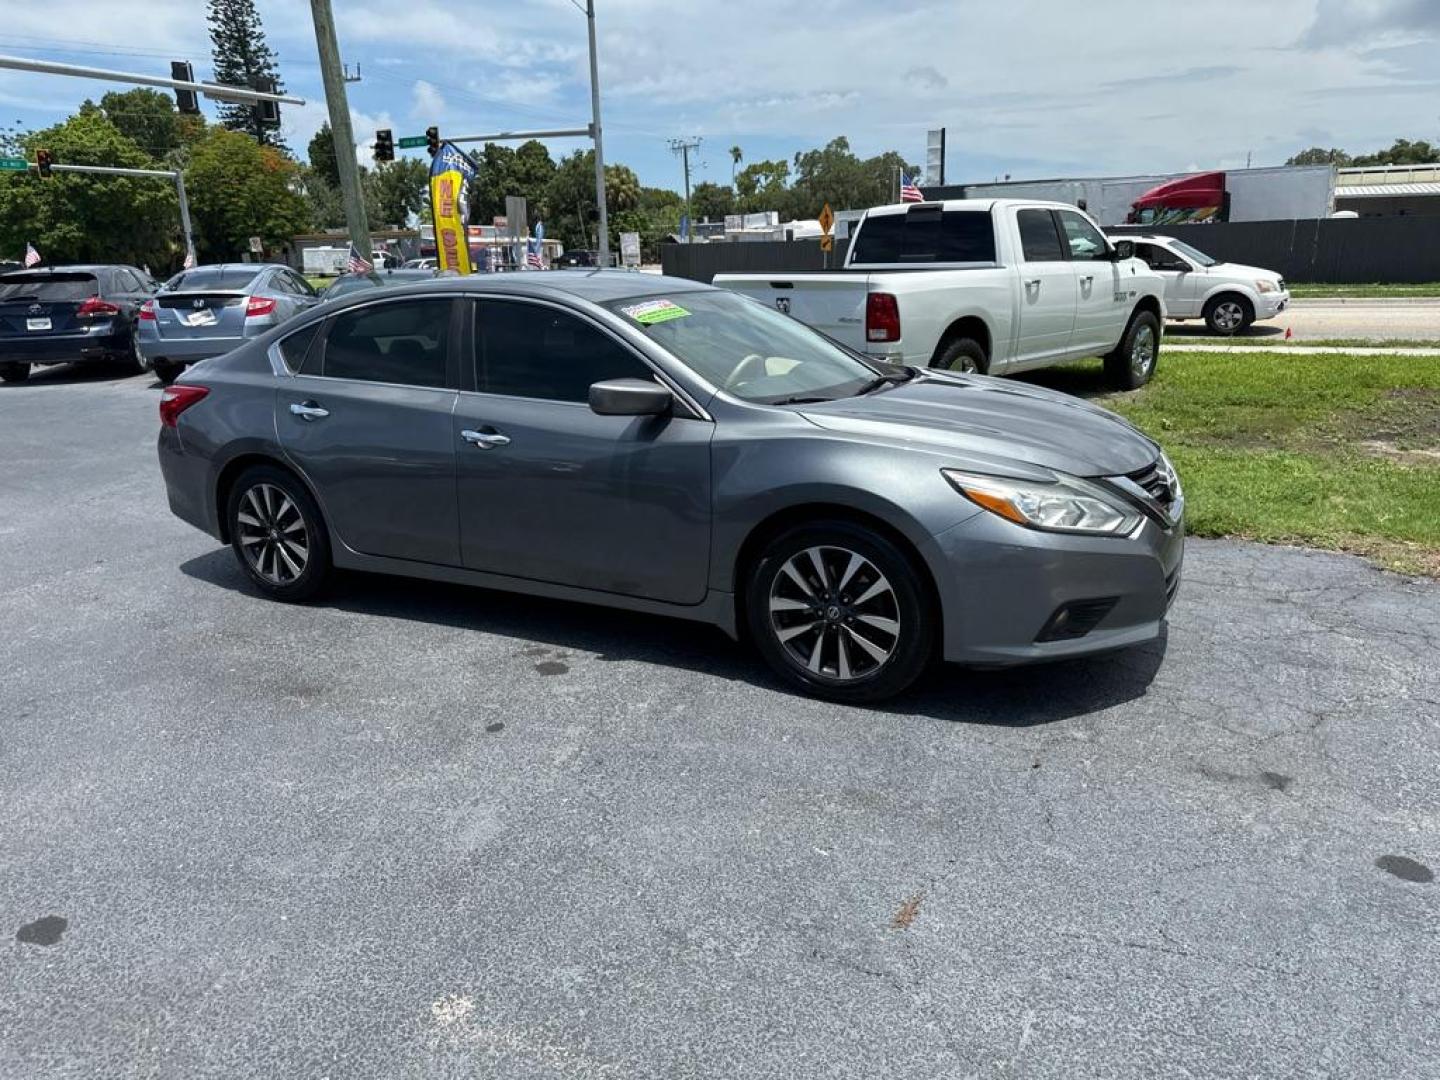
(630, 248)
(257, 245)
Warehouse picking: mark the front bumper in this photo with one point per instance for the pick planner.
(99, 342)
(1001, 584)
(1271, 304)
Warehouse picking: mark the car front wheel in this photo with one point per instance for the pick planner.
(1228, 315)
(277, 533)
(840, 612)
(1132, 362)
(15, 371)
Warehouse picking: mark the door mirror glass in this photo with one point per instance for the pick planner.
(630, 397)
(1124, 249)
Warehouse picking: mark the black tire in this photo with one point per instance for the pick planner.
(255, 493)
(130, 361)
(1228, 314)
(167, 371)
(838, 609)
(964, 355)
(15, 371)
(1131, 364)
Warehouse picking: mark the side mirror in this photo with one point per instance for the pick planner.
(630, 397)
(1124, 249)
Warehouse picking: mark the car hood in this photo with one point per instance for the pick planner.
(992, 422)
(1241, 272)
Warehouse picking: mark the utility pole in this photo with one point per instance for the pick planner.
(334, 77)
(683, 148)
(599, 148)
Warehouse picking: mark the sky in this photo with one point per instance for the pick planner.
(1027, 88)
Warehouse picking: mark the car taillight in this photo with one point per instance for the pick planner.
(882, 317)
(147, 311)
(259, 305)
(95, 306)
(176, 399)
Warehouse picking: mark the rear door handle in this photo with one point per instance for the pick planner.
(486, 440)
(308, 411)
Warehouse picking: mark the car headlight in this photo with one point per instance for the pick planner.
(1267, 286)
(1066, 504)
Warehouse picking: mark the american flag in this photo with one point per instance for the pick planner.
(357, 263)
(532, 255)
(32, 257)
(189, 260)
(909, 192)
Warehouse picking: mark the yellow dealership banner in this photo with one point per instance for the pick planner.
(451, 171)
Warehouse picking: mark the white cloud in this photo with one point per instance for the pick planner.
(428, 104)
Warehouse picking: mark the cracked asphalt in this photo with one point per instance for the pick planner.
(422, 831)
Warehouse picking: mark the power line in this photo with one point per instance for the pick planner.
(683, 148)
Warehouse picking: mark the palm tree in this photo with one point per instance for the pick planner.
(736, 156)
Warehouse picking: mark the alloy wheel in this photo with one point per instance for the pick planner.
(1229, 315)
(1142, 351)
(834, 613)
(273, 534)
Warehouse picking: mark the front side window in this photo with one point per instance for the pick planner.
(1038, 239)
(746, 348)
(1085, 241)
(1159, 258)
(1200, 258)
(403, 342)
(534, 351)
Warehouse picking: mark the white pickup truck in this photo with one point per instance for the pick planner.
(985, 285)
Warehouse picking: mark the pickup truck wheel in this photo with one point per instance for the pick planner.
(1228, 314)
(15, 372)
(964, 355)
(1131, 364)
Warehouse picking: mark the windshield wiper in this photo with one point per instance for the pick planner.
(801, 401)
(889, 377)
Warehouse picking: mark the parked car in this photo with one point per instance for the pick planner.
(1011, 285)
(210, 310)
(420, 264)
(578, 257)
(347, 284)
(66, 314)
(1228, 296)
(659, 445)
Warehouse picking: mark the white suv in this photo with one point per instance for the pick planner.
(1228, 296)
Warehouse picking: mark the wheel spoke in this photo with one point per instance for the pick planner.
(890, 626)
(820, 571)
(855, 563)
(877, 654)
(779, 603)
(842, 652)
(794, 575)
(795, 631)
(247, 519)
(254, 502)
(814, 664)
(285, 507)
(879, 588)
(294, 567)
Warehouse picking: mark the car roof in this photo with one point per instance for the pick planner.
(974, 205)
(596, 286)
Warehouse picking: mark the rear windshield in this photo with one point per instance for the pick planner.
(216, 278)
(356, 282)
(926, 234)
(48, 286)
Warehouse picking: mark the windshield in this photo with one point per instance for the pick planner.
(44, 286)
(355, 282)
(746, 348)
(213, 278)
(1194, 254)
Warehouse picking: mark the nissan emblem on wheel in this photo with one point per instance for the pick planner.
(856, 519)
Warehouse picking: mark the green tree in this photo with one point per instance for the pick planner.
(1401, 152)
(240, 189)
(571, 197)
(761, 185)
(653, 199)
(241, 57)
(77, 218)
(1318, 155)
(835, 175)
(398, 189)
(325, 209)
(712, 201)
(147, 118)
(736, 156)
(493, 181)
(321, 153)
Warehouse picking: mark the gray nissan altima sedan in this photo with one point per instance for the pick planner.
(663, 446)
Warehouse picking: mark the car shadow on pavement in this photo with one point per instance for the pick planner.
(1200, 330)
(66, 374)
(1014, 697)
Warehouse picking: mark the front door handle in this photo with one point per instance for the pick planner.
(485, 440)
(308, 411)
(1033, 283)
(1087, 279)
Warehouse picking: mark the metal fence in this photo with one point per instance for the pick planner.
(1329, 250)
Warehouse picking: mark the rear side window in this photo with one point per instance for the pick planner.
(212, 278)
(527, 350)
(925, 235)
(48, 286)
(295, 347)
(402, 342)
(1038, 238)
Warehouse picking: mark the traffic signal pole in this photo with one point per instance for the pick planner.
(356, 221)
(604, 244)
(174, 175)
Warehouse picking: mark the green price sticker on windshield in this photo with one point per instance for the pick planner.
(655, 311)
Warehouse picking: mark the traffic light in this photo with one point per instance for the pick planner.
(187, 101)
(384, 145)
(432, 140)
(43, 160)
(267, 113)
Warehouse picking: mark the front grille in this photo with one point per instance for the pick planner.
(1161, 488)
(1076, 619)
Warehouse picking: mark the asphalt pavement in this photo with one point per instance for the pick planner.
(425, 831)
(1380, 319)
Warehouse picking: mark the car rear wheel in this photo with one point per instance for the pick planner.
(15, 371)
(965, 355)
(839, 611)
(1131, 364)
(278, 535)
(167, 371)
(131, 361)
(1228, 314)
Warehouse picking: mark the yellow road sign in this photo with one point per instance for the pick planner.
(827, 220)
(826, 241)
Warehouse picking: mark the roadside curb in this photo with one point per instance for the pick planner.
(1171, 345)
